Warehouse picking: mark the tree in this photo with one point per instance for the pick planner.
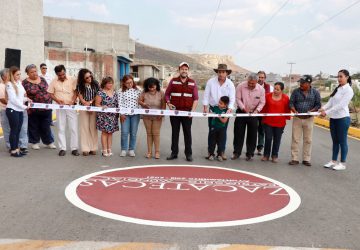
(356, 76)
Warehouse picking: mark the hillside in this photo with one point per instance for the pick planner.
(201, 65)
(164, 57)
(198, 62)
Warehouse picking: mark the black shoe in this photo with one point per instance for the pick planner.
(75, 152)
(17, 155)
(24, 151)
(235, 156)
(189, 158)
(171, 157)
(293, 163)
(306, 163)
(62, 153)
(248, 158)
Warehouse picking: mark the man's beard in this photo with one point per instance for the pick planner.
(183, 76)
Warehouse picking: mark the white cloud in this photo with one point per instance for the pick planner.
(204, 22)
(321, 17)
(64, 3)
(266, 7)
(98, 9)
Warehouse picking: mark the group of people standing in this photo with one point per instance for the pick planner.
(262, 133)
(220, 96)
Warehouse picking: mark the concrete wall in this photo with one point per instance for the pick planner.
(146, 71)
(22, 27)
(103, 37)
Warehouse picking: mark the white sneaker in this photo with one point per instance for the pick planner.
(51, 146)
(339, 166)
(131, 153)
(123, 153)
(330, 164)
(35, 146)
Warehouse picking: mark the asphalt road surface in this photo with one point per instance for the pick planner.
(33, 205)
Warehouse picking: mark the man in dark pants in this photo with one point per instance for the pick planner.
(261, 134)
(181, 94)
(250, 98)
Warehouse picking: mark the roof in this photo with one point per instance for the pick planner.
(141, 64)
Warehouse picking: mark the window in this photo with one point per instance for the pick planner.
(53, 44)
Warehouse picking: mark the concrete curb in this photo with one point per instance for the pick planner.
(355, 132)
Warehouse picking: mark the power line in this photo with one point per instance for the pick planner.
(212, 25)
(307, 32)
(262, 27)
(329, 53)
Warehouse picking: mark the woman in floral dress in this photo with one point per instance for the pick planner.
(107, 123)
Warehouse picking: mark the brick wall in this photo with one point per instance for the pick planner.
(99, 63)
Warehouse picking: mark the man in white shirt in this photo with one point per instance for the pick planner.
(44, 74)
(63, 91)
(217, 87)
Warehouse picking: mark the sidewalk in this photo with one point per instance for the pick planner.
(92, 245)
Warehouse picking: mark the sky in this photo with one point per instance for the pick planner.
(254, 32)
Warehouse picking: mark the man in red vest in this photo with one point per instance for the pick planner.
(261, 134)
(181, 94)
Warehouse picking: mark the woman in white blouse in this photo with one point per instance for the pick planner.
(15, 107)
(129, 98)
(338, 110)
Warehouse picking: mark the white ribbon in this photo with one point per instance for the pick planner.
(128, 111)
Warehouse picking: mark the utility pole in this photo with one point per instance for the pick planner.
(291, 66)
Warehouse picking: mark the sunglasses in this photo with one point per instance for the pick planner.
(88, 77)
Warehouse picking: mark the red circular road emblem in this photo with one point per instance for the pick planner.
(183, 196)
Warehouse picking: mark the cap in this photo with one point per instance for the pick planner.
(306, 78)
(184, 63)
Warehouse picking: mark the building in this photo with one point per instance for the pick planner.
(143, 71)
(22, 28)
(273, 78)
(106, 49)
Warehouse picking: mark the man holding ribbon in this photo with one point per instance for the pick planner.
(304, 99)
(63, 91)
(217, 87)
(250, 98)
(181, 94)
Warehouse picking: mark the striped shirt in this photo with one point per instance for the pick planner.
(90, 92)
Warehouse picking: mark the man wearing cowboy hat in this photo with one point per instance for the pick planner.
(217, 87)
(181, 94)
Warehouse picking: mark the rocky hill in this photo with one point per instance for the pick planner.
(145, 53)
(211, 61)
(201, 65)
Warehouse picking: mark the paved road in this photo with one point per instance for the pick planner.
(33, 205)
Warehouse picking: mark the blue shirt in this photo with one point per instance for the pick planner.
(304, 103)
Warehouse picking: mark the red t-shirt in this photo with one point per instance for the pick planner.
(273, 106)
